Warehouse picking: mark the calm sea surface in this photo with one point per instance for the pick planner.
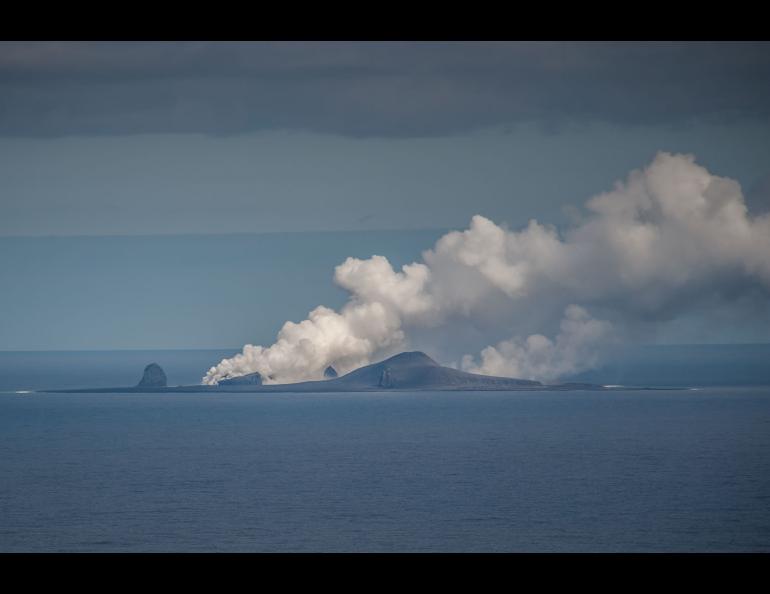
(685, 470)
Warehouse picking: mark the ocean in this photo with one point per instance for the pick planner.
(683, 470)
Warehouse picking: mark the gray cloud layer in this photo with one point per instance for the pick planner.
(371, 89)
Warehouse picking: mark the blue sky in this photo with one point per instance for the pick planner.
(159, 152)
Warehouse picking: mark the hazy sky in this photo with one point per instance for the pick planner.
(400, 89)
(215, 138)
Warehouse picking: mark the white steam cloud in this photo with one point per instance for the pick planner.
(670, 235)
(577, 347)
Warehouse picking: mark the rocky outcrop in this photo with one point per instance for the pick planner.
(153, 377)
(330, 372)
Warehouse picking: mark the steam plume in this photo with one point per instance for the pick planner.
(668, 237)
(577, 347)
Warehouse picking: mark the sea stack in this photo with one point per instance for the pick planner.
(153, 377)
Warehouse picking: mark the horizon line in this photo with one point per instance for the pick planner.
(113, 350)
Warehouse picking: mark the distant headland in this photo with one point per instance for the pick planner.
(408, 371)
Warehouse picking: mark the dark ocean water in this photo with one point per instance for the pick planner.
(678, 470)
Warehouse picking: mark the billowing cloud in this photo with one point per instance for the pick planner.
(578, 346)
(667, 238)
(302, 351)
(397, 89)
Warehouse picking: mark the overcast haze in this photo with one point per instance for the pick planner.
(402, 89)
(168, 138)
